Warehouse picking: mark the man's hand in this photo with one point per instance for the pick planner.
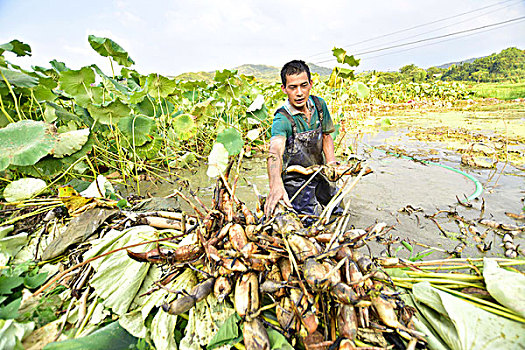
(275, 195)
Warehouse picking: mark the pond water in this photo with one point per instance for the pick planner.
(398, 182)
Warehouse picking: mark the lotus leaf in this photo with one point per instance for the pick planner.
(107, 47)
(342, 57)
(361, 89)
(24, 143)
(77, 83)
(54, 112)
(70, 142)
(464, 326)
(150, 150)
(18, 79)
(138, 129)
(23, 189)
(217, 160)
(43, 93)
(505, 286)
(118, 278)
(109, 113)
(256, 104)
(232, 140)
(184, 126)
(17, 47)
(159, 86)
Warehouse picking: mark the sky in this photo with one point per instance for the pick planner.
(174, 37)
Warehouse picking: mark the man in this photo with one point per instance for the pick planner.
(300, 136)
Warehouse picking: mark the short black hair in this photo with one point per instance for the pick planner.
(294, 67)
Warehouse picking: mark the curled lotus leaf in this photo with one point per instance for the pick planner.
(70, 142)
(107, 47)
(138, 129)
(24, 143)
(150, 150)
(17, 47)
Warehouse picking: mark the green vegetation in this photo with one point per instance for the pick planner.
(500, 91)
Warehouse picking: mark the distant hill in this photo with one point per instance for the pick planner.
(448, 65)
(260, 71)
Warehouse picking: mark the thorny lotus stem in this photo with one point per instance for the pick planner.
(13, 95)
(63, 273)
(87, 317)
(194, 207)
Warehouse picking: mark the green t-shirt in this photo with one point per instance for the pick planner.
(282, 126)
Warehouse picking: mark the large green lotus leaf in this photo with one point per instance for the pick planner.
(17, 47)
(217, 160)
(138, 129)
(43, 93)
(107, 47)
(232, 140)
(23, 188)
(184, 126)
(505, 286)
(77, 83)
(109, 113)
(24, 143)
(145, 107)
(18, 79)
(464, 326)
(118, 278)
(159, 86)
(51, 166)
(150, 150)
(12, 333)
(70, 142)
(222, 76)
(51, 73)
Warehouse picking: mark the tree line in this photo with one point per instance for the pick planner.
(506, 66)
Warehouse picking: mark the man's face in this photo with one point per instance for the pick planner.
(297, 89)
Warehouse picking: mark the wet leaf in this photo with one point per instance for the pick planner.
(24, 143)
(12, 333)
(184, 126)
(217, 160)
(107, 47)
(70, 142)
(138, 129)
(232, 141)
(117, 270)
(23, 188)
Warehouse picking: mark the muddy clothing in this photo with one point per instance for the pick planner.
(304, 146)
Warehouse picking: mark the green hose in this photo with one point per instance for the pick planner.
(479, 187)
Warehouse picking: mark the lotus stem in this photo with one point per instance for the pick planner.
(460, 284)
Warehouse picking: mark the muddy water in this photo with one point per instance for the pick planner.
(397, 183)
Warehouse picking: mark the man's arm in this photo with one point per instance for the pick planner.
(328, 148)
(275, 167)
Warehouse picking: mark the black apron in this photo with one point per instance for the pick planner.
(306, 149)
